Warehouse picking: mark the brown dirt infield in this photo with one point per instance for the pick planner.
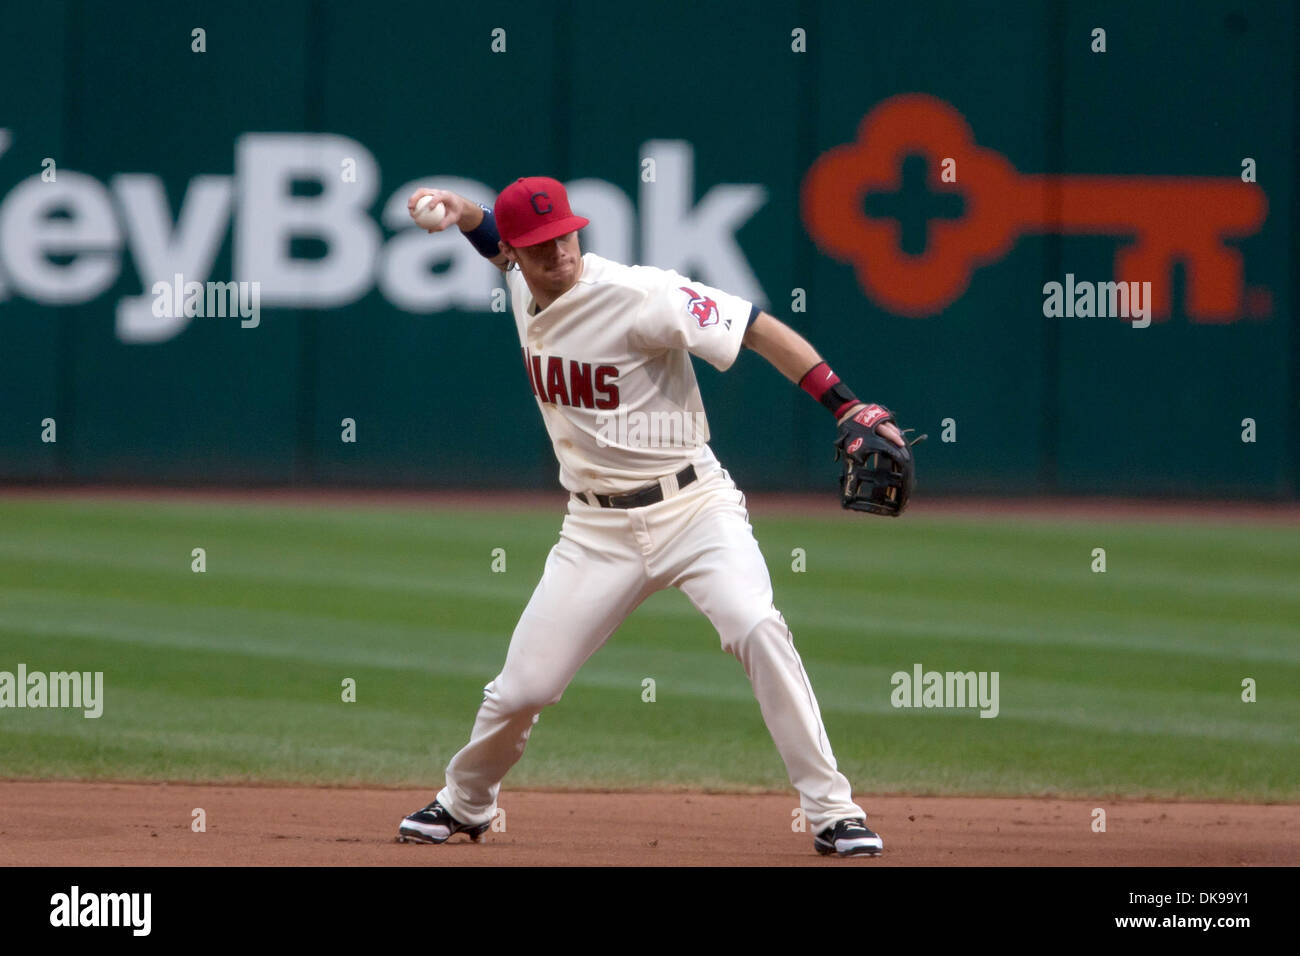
(147, 824)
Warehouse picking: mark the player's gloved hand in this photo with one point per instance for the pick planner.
(865, 429)
(879, 470)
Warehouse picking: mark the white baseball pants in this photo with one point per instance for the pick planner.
(609, 560)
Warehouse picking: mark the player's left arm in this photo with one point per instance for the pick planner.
(794, 357)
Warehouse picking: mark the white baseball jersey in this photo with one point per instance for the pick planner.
(608, 364)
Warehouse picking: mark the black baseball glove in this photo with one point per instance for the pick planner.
(878, 475)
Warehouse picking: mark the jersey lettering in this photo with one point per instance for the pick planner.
(557, 391)
(538, 378)
(580, 393)
(607, 389)
(583, 387)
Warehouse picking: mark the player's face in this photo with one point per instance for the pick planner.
(552, 266)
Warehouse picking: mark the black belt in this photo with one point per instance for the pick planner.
(646, 496)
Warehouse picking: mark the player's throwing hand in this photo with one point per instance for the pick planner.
(450, 201)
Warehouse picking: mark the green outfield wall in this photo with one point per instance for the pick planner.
(791, 153)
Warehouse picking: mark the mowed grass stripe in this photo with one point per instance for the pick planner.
(705, 674)
(1126, 682)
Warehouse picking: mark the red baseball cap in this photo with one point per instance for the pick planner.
(535, 209)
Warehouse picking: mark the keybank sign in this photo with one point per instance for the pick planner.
(66, 242)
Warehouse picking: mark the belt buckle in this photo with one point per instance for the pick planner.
(635, 499)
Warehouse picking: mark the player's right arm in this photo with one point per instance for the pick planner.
(474, 221)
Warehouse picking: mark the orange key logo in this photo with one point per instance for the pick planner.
(1162, 220)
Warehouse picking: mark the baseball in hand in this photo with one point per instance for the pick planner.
(427, 218)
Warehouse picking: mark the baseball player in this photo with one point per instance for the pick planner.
(606, 348)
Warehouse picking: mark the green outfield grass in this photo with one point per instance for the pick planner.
(1123, 683)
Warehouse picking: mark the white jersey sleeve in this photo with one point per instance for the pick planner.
(679, 313)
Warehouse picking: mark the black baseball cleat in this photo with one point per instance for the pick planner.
(434, 824)
(848, 838)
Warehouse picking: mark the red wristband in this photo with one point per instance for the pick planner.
(817, 380)
(825, 386)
